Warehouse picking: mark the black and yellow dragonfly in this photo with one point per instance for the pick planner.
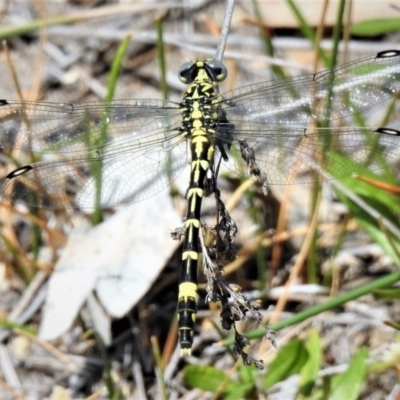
(97, 154)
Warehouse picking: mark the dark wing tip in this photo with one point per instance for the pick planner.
(388, 131)
(19, 171)
(388, 53)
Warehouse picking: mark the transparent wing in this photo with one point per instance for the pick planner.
(289, 156)
(122, 152)
(49, 127)
(326, 95)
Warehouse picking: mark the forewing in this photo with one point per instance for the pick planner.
(324, 96)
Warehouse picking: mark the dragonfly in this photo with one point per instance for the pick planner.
(100, 154)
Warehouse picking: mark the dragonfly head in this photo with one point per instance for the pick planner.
(213, 70)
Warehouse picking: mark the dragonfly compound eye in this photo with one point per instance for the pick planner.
(216, 69)
(187, 72)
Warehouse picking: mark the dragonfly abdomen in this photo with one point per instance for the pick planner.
(187, 297)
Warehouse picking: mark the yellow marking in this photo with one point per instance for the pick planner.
(196, 114)
(195, 191)
(198, 141)
(189, 225)
(192, 222)
(205, 164)
(217, 100)
(199, 136)
(189, 234)
(186, 290)
(196, 169)
(199, 131)
(192, 193)
(201, 76)
(195, 94)
(195, 164)
(206, 87)
(192, 204)
(189, 255)
(210, 154)
(197, 124)
(186, 352)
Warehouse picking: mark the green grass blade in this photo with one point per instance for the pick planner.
(306, 29)
(161, 58)
(33, 26)
(326, 306)
(375, 27)
(290, 359)
(309, 372)
(267, 42)
(100, 139)
(349, 384)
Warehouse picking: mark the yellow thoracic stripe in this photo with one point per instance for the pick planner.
(199, 121)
